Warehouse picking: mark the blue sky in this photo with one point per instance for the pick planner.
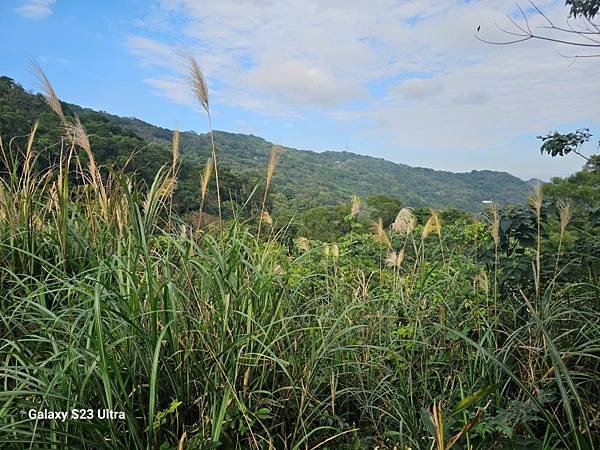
(406, 81)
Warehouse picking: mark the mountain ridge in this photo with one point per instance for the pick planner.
(303, 178)
(476, 189)
(129, 123)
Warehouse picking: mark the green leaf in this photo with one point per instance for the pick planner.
(474, 398)
(263, 413)
(392, 434)
(428, 421)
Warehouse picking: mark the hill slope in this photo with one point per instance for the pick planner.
(303, 179)
(308, 178)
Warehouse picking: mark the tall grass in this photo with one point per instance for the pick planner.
(221, 339)
(98, 312)
(200, 91)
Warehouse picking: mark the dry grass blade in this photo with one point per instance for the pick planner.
(204, 180)
(49, 93)
(405, 222)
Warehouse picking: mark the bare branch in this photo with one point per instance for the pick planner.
(541, 13)
(582, 36)
(524, 18)
(504, 42)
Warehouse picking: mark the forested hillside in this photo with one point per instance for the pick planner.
(304, 179)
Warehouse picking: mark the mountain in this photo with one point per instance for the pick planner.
(308, 178)
(533, 182)
(303, 178)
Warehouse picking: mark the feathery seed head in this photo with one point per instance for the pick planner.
(175, 150)
(49, 93)
(536, 198)
(266, 217)
(564, 208)
(275, 150)
(405, 222)
(78, 136)
(76, 133)
(335, 251)
(205, 178)
(481, 282)
(495, 225)
(433, 225)
(198, 83)
(379, 232)
(394, 259)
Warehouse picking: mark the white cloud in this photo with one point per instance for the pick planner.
(152, 52)
(418, 88)
(302, 83)
(174, 89)
(410, 72)
(36, 9)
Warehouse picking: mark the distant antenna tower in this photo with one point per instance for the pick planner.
(346, 146)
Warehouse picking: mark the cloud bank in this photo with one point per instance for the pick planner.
(409, 73)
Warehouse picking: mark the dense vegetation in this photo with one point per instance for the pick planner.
(365, 324)
(306, 179)
(309, 179)
(113, 145)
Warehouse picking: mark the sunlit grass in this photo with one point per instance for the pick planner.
(217, 337)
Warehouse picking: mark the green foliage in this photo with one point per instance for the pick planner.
(324, 223)
(384, 206)
(162, 416)
(348, 340)
(557, 144)
(582, 189)
(116, 146)
(585, 8)
(475, 397)
(303, 179)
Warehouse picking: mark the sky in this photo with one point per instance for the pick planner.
(402, 80)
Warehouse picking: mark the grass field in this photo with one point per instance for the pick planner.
(227, 336)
